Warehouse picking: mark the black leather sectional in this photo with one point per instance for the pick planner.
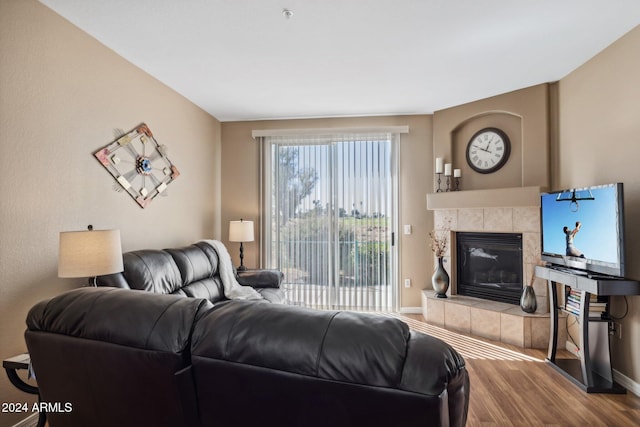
(140, 358)
(191, 271)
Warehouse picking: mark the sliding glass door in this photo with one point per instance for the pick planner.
(330, 204)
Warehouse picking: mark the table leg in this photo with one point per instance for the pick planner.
(27, 388)
(553, 321)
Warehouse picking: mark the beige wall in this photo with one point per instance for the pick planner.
(599, 143)
(240, 192)
(62, 95)
(522, 114)
(583, 130)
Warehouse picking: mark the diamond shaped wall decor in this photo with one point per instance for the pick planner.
(139, 164)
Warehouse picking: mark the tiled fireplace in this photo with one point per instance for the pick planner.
(511, 210)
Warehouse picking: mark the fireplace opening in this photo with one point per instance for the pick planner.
(489, 266)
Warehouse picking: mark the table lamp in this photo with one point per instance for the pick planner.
(89, 253)
(241, 231)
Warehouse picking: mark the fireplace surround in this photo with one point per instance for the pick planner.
(509, 210)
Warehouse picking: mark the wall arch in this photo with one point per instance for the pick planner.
(510, 175)
(523, 114)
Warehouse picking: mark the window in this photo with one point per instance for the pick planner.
(330, 205)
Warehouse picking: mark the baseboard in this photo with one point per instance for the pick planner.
(618, 377)
(30, 421)
(626, 382)
(411, 310)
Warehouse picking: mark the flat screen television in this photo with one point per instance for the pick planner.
(583, 228)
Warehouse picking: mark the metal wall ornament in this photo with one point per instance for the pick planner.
(139, 164)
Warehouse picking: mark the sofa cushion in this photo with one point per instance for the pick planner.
(131, 318)
(151, 270)
(198, 266)
(193, 263)
(342, 346)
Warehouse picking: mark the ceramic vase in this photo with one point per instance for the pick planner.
(440, 280)
(528, 302)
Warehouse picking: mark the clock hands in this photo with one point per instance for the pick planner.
(486, 149)
(489, 143)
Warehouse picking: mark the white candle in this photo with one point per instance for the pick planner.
(439, 163)
(457, 173)
(447, 169)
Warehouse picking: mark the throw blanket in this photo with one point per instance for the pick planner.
(232, 289)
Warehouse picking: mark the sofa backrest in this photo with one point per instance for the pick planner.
(189, 271)
(332, 368)
(117, 357)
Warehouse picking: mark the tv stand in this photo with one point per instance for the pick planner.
(592, 370)
(567, 270)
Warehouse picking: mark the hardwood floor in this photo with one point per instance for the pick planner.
(511, 386)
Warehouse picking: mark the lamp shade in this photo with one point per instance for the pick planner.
(89, 253)
(241, 231)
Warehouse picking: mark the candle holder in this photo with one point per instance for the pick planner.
(448, 183)
(439, 190)
(457, 184)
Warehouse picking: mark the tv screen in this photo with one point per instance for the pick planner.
(582, 228)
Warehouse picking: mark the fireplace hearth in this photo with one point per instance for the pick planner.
(489, 266)
(502, 210)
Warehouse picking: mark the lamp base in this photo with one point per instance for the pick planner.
(242, 267)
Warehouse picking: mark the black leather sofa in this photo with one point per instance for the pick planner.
(131, 358)
(191, 271)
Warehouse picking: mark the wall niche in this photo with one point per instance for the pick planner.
(510, 175)
(523, 115)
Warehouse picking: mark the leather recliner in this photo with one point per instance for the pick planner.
(129, 358)
(115, 357)
(190, 271)
(292, 366)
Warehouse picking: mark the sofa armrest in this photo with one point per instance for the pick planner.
(260, 278)
(116, 280)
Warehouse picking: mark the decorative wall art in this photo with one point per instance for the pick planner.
(139, 164)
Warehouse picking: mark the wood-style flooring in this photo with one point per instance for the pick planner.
(511, 386)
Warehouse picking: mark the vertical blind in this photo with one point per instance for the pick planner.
(330, 205)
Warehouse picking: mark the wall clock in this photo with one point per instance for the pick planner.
(139, 164)
(488, 150)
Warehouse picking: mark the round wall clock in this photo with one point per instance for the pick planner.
(488, 150)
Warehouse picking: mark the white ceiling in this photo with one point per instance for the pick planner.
(243, 60)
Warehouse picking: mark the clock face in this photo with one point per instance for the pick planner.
(488, 150)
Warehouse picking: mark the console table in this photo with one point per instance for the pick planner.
(592, 370)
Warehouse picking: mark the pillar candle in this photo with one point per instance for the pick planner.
(439, 163)
(457, 173)
(447, 169)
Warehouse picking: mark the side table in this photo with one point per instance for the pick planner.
(23, 361)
